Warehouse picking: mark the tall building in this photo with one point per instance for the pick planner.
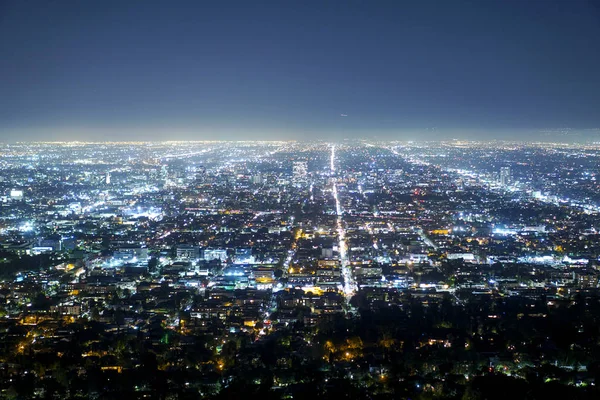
(164, 175)
(505, 176)
(256, 179)
(300, 170)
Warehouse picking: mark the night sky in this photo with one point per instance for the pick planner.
(244, 70)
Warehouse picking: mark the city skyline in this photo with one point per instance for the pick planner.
(340, 199)
(276, 270)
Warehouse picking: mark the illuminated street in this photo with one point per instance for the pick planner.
(349, 284)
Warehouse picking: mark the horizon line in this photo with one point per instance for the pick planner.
(407, 141)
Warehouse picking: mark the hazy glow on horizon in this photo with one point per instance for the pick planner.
(141, 70)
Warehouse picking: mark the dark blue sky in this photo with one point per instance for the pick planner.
(288, 69)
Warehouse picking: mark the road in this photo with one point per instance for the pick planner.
(350, 286)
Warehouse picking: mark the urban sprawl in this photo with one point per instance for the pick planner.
(361, 269)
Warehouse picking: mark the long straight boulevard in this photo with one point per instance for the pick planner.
(349, 284)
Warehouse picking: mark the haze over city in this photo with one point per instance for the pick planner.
(241, 70)
(275, 200)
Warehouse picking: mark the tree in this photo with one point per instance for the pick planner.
(153, 265)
